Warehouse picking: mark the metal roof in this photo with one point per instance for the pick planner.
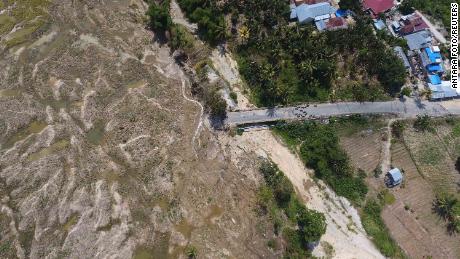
(419, 40)
(400, 53)
(443, 90)
(396, 175)
(379, 25)
(434, 79)
(306, 13)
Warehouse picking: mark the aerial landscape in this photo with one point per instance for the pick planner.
(229, 129)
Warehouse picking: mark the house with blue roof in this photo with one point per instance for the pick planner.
(393, 178)
(432, 60)
(305, 13)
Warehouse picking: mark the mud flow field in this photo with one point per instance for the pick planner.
(103, 152)
(427, 159)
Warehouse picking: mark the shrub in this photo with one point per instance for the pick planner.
(374, 226)
(279, 196)
(397, 128)
(160, 20)
(320, 150)
(448, 207)
(423, 123)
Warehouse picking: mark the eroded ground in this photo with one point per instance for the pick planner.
(103, 152)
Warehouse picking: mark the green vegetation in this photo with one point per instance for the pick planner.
(456, 130)
(374, 226)
(160, 20)
(353, 5)
(397, 129)
(278, 199)
(386, 197)
(191, 252)
(438, 9)
(296, 64)
(448, 207)
(406, 91)
(319, 149)
(287, 64)
(31, 13)
(431, 154)
(210, 20)
(423, 123)
(182, 39)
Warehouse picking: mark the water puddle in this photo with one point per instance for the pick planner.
(32, 128)
(216, 212)
(137, 84)
(160, 248)
(9, 93)
(185, 228)
(70, 223)
(96, 134)
(58, 146)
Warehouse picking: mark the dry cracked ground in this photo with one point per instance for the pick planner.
(103, 153)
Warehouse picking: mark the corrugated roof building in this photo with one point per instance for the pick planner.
(419, 40)
(377, 7)
(394, 177)
(400, 53)
(309, 13)
(442, 90)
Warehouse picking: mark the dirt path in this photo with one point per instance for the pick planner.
(227, 68)
(433, 29)
(179, 17)
(386, 150)
(344, 229)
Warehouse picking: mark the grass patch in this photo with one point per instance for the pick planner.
(430, 155)
(374, 226)
(456, 130)
(6, 23)
(347, 126)
(386, 197)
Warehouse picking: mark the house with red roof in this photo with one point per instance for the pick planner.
(376, 7)
(412, 23)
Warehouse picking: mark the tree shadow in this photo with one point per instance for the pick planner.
(159, 37)
(217, 123)
(271, 111)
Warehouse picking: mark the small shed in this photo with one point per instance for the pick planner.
(394, 177)
(379, 24)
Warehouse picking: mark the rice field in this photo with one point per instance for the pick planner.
(426, 159)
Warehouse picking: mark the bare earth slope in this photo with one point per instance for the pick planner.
(102, 153)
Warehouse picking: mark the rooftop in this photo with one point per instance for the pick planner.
(412, 23)
(400, 53)
(419, 40)
(378, 6)
(442, 90)
(307, 13)
(396, 175)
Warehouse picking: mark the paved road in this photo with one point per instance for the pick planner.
(405, 109)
